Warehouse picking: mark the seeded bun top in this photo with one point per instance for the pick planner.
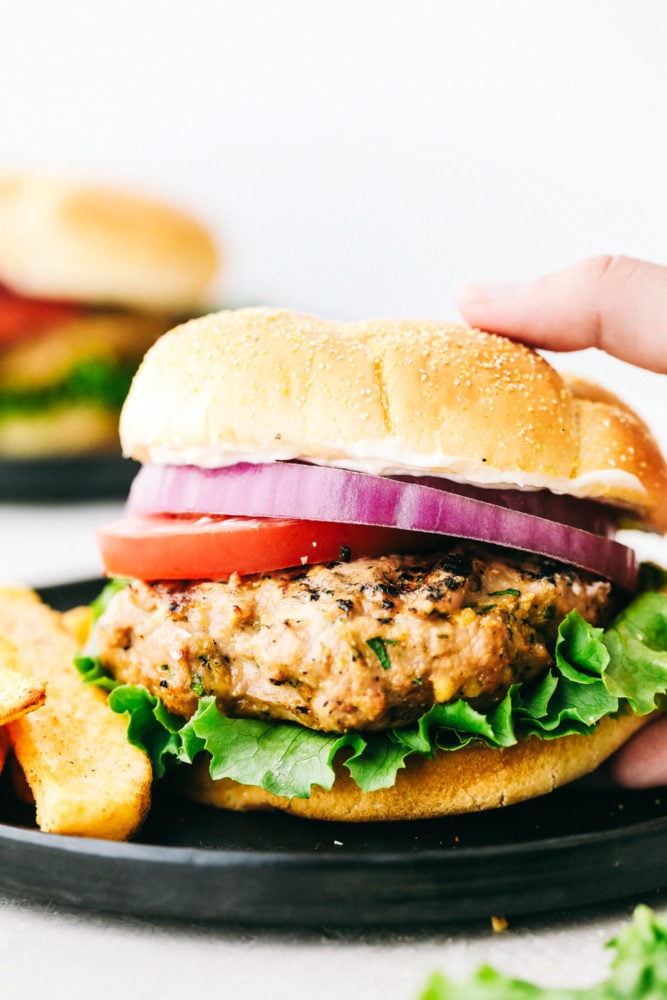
(63, 240)
(387, 397)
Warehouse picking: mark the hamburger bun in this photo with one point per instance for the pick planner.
(473, 779)
(89, 278)
(387, 397)
(85, 243)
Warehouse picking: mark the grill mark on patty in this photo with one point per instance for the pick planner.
(365, 644)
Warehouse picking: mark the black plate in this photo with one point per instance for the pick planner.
(85, 477)
(583, 844)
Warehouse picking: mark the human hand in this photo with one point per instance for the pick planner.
(619, 305)
(615, 303)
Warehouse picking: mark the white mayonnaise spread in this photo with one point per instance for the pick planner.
(596, 483)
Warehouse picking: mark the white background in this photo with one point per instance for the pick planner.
(355, 159)
(362, 159)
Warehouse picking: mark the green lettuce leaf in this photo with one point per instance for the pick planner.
(580, 655)
(376, 760)
(590, 681)
(276, 758)
(637, 647)
(98, 382)
(638, 972)
(153, 729)
(91, 671)
(573, 698)
(103, 599)
(87, 662)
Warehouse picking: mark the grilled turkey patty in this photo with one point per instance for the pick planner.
(367, 644)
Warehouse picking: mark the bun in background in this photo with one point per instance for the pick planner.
(63, 240)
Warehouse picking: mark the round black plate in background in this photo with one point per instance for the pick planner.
(85, 477)
(583, 844)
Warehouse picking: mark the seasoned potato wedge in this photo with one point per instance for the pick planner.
(19, 693)
(86, 779)
(79, 622)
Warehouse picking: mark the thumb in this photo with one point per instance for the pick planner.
(615, 303)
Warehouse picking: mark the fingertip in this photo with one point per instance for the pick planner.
(489, 292)
(642, 763)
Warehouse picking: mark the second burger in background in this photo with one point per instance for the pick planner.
(89, 277)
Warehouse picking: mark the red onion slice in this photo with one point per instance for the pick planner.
(322, 493)
(591, 515)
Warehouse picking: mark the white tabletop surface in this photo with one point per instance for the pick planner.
(48, 951)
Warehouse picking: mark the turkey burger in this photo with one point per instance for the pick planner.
(369, 571)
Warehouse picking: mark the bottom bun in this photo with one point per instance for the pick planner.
(468, 780)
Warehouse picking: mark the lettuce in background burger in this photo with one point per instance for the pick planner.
(369, 570)
(89, 278)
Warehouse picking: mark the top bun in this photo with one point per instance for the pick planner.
(63, 240)
(388, 397)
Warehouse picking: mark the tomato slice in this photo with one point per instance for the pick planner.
(167, 547)
(21, 316)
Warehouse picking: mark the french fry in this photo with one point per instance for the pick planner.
(79, 621)
(86, 779)
(19, 693)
